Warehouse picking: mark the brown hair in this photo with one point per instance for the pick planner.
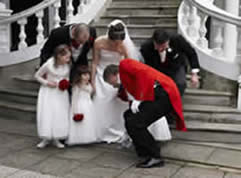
(79, 72)
(61, 50)
(116, 32)
(111, 69)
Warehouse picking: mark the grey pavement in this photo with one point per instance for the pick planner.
(188, 155)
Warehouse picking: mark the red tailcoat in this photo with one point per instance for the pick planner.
(138, 79)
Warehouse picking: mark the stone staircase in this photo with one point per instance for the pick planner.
(142, 17)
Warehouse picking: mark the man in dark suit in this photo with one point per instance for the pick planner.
(168, 54)
(79, 37)
(153, 95)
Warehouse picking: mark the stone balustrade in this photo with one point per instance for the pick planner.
(220, 53)
(50, 10)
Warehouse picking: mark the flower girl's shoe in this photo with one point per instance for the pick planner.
(58, 144)
(43, 143)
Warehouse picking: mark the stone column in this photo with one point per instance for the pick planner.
(230, 31)
(4, 29)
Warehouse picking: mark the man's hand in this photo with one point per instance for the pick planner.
(135, 106)
(194, 80)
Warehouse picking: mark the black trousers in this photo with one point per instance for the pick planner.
(180, 79)
(137, 124)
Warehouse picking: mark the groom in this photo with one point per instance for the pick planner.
(153, 95)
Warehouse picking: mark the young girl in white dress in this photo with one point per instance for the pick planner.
(53, 99)
(82, 120)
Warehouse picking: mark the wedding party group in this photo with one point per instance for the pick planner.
(125, 95)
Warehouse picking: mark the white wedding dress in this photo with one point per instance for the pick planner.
(108, 107)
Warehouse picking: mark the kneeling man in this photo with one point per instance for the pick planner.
(153, 95)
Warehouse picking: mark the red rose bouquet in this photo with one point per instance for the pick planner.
(78, 117)
(64, 84)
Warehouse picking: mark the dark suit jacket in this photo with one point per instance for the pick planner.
(176, 55)
(61, 35)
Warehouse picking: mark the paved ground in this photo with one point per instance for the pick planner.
(188, 155)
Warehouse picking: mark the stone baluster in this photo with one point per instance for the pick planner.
(185, 12)
(239, 93)
(70, 10)
(40, 27)
(218, 41)
(57, 19)
(81, 7)
(239, 40)
(87, 2)
(4, 29)
(202, 41)
(22, 34)
(193, 23)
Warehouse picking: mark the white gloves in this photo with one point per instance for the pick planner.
(135, 106)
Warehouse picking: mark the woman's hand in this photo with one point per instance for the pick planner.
(52, 84)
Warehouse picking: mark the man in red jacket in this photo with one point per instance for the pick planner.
(153, 95)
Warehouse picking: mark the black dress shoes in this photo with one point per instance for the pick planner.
(150, 163)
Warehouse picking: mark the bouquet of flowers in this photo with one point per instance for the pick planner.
(78, 117)
(64, 84)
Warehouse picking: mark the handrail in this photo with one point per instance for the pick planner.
(26, 13)
(214, 11)
(192, 26)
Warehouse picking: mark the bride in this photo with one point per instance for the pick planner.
(111, 49)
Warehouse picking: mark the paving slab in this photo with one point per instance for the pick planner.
(164, 172)
(30, 174)
(90, 170)
(228, 158)
(22, 159)
(117, 160)
(133, 175)
(186, 152)
(6, 171)
(231, 175)
(194, 172)
(55, 166)
(15, 142)
(81, 154)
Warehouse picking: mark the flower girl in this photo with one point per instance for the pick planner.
(53, 99)
(82, 125)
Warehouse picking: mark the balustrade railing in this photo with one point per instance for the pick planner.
(47, 14)
(220, 53)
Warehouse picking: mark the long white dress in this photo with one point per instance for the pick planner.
(82, 132)
(108, 107)
(53, 103)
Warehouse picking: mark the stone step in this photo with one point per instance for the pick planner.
(213, 114)
(139, 30)
(206, 97)
(140, 19)
(27, 82)
(213, 127)
(142, 10)
(143, 3)
(192, 112)
(18, 111)
(18, 96)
